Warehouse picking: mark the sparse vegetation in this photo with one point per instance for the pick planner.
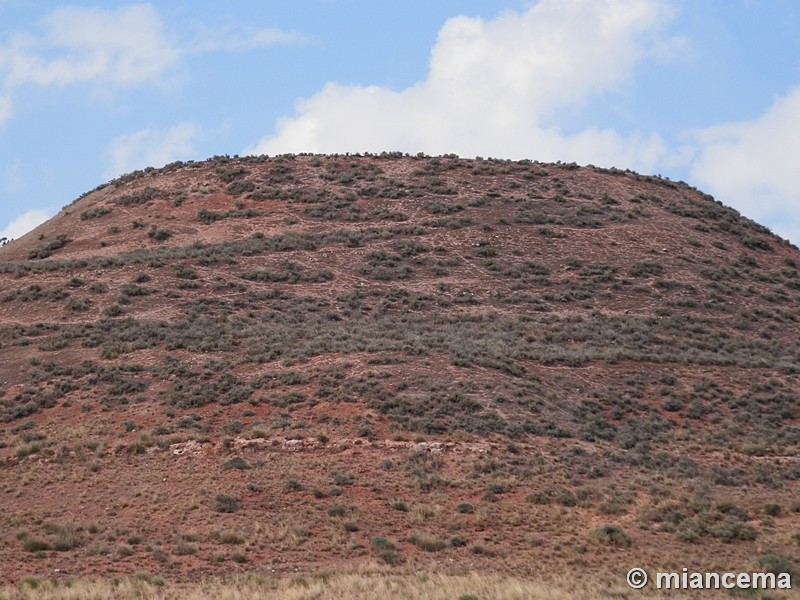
(394, 359)
(225, 503)
(46, 250)
(237, 462)
(95, 212)
(427, 542)
(158, 234)
(385, 550)
(611, 535)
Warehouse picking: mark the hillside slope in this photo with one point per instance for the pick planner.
(292, 362)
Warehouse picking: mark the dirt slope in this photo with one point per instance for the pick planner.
(306, 361)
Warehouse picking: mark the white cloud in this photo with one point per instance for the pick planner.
(495, 88)
(151, 147)
(24, 223)
(125, 46)
(752, 165)
(233, 38)
(129, 45)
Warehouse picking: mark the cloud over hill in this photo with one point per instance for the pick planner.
(496, 87)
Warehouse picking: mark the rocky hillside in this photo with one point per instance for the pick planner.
(300, 361)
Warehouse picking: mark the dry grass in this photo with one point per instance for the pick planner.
(364, 584)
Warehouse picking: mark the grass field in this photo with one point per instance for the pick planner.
(344, 586)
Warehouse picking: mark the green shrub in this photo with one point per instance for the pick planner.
(613, 506)
(688, 535)
(385, 550)
(554, 493)
(131, 289)
(158, 234)
(427, 542)
(184, 549)
(343, 478)
(733, 510)
(231, 538)
(294, 486)
(30, 582)
(46, 251)
(94, 213)
(35, 545)
(236, 462)
(777, 563)
(139, 197)
(646, 269)
(757, 244)
(337, 510)
(237, 188)
(183, 271)
(732, 530)
(79, 304)
(65, 537)
(399, 505)
(225, 504)
(113, 310)
(612, 535)
(24, 451)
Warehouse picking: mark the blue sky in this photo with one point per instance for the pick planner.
(706, 91)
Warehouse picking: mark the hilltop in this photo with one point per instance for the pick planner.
(296, 362)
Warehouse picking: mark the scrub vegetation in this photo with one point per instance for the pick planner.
(309, 361)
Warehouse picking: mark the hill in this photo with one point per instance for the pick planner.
(297, 362)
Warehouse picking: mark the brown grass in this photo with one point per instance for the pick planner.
(367, 583)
